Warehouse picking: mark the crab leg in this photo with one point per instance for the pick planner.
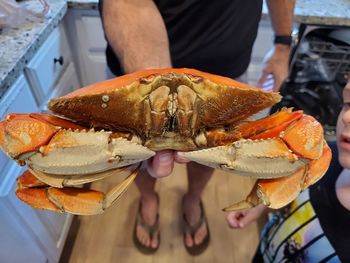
(268, 127)
(72, 200)
(75, 179)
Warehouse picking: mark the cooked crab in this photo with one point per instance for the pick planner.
(107, 128)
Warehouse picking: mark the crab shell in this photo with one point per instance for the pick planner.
(107, 127)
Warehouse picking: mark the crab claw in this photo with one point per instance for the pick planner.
(21, 134)
(268, 158)
(26, 133)
(63, 154)
(278, 192)
(73, 200)
(274, 193)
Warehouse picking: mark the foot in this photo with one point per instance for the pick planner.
(192, 211)
(149, 210)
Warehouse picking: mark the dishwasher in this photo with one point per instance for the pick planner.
(319, 69)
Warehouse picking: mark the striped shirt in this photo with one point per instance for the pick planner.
(313, 228)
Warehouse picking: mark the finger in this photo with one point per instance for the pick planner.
(251, 216)
(161, 164)
(181, 159)
(232, 219)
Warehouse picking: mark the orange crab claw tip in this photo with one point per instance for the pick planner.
(27, 179)
(78, 201)
(21, 134)
(37, 198)
(251, 200)
(242, 205)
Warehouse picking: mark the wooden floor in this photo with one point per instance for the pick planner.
(108, 237)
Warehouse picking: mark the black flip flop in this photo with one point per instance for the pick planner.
(192, 230)
(151, 230)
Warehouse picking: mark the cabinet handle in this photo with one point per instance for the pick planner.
(60, 60)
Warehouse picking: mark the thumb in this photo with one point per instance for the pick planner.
(161, 164)
(246, 220)
(252, 215)
(233, 219)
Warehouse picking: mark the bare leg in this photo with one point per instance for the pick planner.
(149, 204)
(159, 166)
(198, 177)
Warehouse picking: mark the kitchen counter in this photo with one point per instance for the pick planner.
(321, 12)
(18, 46)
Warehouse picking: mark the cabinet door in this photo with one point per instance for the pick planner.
(48, 64)
(87, 38)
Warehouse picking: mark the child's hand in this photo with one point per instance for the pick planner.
(240, 219)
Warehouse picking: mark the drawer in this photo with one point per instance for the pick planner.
(48, 64)
(18, 99)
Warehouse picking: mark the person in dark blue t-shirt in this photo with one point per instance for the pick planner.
(212, 36)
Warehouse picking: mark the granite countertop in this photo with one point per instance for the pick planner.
(18, 46)
(323, 12)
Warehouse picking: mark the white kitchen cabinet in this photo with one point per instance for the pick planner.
(22, 234)
(86, 37)
(28, 234)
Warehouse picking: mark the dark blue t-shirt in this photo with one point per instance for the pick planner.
(212, 36)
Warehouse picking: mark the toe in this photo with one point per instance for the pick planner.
(188, 240)
(200, 235)
(142, 236)
(155, 241)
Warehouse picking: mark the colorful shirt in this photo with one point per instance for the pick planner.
(314, 228)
